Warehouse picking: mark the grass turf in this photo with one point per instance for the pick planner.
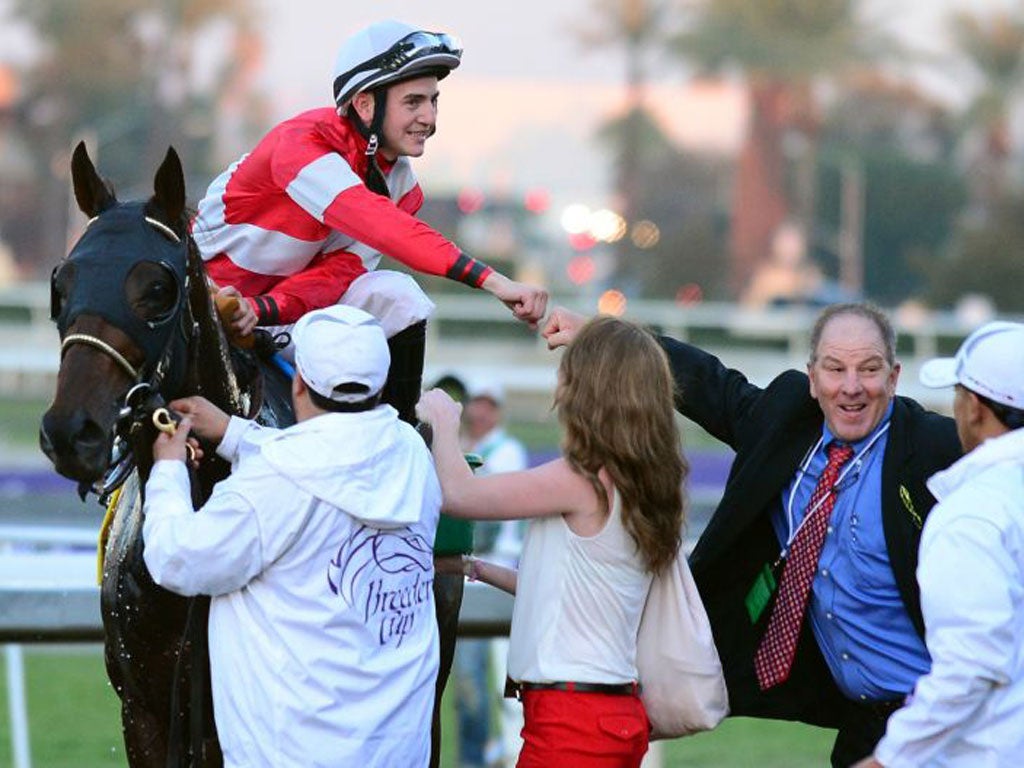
(74, 722)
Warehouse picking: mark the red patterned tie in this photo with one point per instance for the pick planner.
(774, 656)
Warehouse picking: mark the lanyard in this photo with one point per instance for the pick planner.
(804, 466)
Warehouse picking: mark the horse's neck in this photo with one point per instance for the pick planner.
(211, 373)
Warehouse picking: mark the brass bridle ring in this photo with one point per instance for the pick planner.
(164, 422)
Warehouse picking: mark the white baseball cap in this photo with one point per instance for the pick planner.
(341, 345)
(990, 362)
(488, 388)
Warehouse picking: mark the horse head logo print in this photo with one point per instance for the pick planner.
(396, 551)
(390, 573)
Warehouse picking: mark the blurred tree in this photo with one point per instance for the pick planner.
(910, 211)
(993, 47)
(986, 260)
(901, 143)
(637, 27)
(120, 74)
(682, 195)
(781, 46)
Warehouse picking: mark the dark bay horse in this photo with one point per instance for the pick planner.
(139, 328)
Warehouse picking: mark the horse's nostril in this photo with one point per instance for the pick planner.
(76, 444)
(90, 436)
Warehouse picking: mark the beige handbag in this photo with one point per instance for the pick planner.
(683, 688)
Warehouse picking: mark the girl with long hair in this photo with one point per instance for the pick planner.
(603, 519)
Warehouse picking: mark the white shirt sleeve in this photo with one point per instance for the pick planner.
(239, 432)
(964, 573)
(212, 551)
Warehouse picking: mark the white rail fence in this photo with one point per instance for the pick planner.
(472, 334)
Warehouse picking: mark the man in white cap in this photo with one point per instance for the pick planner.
(480, 664)
(969, 709)
(317, 552)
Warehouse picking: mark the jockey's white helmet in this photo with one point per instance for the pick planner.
(388, 51)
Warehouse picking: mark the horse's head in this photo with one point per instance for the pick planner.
(120, 303)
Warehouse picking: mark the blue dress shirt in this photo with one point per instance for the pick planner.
(856, 611)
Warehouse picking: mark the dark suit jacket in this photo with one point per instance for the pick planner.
(771, 430)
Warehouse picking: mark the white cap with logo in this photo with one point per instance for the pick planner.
(339, 346)
(990, 363)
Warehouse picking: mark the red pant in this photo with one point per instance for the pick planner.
(582, 730)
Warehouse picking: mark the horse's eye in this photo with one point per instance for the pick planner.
(151, 291)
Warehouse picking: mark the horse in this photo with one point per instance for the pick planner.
(138, 328)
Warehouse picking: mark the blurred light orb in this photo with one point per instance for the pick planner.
(537, 200)
(576, 218)
(470, 200)
(612, 302)
(581, 241)
(607, 226)
(689, 294)
(581, 269)
(645, 234)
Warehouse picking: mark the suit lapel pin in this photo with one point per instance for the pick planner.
(909, 504)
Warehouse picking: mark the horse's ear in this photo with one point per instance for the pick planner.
(92, 195)
(169, 188)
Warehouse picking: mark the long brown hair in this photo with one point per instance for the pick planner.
(615, 402)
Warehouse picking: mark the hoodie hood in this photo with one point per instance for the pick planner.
(1007, 448)
(370, 465)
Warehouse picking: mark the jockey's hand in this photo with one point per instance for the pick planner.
(437, 409)
(562, 327)
(208, 421)
(527, 302)
(168, 447)
(237, 313)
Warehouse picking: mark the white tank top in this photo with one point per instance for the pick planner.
(578, 603)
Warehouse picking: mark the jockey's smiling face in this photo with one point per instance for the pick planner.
(410, 118)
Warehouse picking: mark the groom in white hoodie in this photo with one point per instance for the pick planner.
(968, 711)
(317, 552)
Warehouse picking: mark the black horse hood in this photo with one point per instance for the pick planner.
(103, 258)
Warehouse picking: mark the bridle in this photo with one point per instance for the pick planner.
(100, 344)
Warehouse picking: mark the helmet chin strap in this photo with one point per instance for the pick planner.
(375, 180)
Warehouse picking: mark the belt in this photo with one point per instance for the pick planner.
(514, 689)
(881, 708)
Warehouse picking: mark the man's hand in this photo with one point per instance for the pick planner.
(527, 302)
(169, 447)
(235, 311)
(208, 421)
(437, 409)
(868, 762)
(562, 327)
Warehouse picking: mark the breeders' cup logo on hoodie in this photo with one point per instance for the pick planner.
(389, 574)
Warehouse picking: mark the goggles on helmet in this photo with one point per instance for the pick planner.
(416, 45)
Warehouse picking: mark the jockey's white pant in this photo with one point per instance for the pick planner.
(394, 298)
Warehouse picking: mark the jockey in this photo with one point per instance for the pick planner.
(301, 222)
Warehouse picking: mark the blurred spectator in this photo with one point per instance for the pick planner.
(480, 664)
